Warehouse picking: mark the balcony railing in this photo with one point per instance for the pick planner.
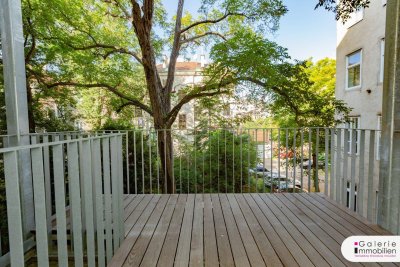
(79, 179)
(342, 163)
(77, 192)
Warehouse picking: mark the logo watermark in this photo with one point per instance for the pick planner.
(372, 248)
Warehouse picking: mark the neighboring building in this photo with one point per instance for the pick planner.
(359, 74)
(359, 69)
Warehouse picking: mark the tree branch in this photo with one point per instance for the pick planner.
(114, 50)
(212, 21)
(175, 48)
(199, 92)
(192, 39)
(110, 88)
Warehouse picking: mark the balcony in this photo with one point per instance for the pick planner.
(244, 197)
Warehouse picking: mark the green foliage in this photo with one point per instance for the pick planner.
(216, 161)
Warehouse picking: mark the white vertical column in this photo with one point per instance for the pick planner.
(389, 174)
(12, 40)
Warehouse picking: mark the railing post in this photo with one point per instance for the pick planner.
(389, 175)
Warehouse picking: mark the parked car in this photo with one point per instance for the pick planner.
(289, 189)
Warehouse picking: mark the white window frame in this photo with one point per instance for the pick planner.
(179, 122)
(352, 66)
(350, 126)
(382, 67)
(378, 138)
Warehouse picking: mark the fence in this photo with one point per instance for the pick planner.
(342, 163)
(77, 191)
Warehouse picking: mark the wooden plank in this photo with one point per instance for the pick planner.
(224, 248)
(131, 220)
(300, 236)
(294, 248)
(329, 249)
(134, 231)
(168, 250)
(326, 223)
(351, 216)
(332, 227)
(139, 248)
(210, 241)
(183, 250)
(250, 245)
(238, 250)
(285, 256)
(351, 225)
(267, 250)
(128, 199)
(196, 247)
(154, 248)
(132, 206)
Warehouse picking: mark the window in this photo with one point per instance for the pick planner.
(182, 121)
(355, 17)
(138, 112)
(378, 138)
(353, 123)
(353, 73)
(382, 68)
(227, 110)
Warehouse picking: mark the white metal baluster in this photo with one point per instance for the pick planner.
(121, 190)
(233, 161)
(326, 162)
(361, 172)
(142, 153)
(371, 163)
(302, 158)
(279, 160)
(333, 165)
(128, 190)
(287, 159)
(47, 180)
(76, 209)
(316, 161)
(134, 161)
(241, 161)
(294, 160)
(98, 186)
(114, 191)
(345, 165)
(309, 158)
(263, 151)
(353, 169)
(88, 196)
(338, 179)
(14, 212)
(59, 187)
(150, 165)
(272, 155)
(107, 196)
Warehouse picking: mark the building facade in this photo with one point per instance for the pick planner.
(359, 83)
(359, 70)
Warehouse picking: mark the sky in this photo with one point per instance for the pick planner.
(305, 32)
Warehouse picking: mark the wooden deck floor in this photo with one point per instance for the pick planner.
(237, 230)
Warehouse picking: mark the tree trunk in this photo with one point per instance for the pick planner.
(165, 150)
(31, 117)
